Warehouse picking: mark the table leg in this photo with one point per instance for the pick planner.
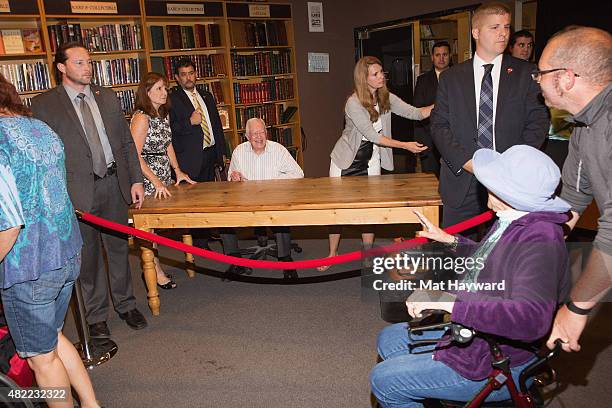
(432, 212)
(189, 260)
(148, 268)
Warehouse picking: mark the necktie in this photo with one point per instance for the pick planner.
(204, 125)
(485, 110)
(93, 138)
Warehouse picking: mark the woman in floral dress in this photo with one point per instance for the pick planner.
(151, 132)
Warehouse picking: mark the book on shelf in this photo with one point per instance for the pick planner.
(102, 38)
(268, 113)
(288, 114)
(283, 136)
(200, 35)
(126, 100)
(187, 38)
(258, 33)
(268, 90)
(214, 35)
(12, 41)
(426, 31)
(157, 37)
(215, 89)
(224, 116)
(27, 77)
(117, 71)
(262, 63)
(206, 65)
(31, 40)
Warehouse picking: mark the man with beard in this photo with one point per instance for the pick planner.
(103, 176)
(425, 95)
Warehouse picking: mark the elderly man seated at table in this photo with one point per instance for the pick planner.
(261, 159)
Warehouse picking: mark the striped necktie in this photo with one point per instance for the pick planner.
(207, 139)
(485, 110)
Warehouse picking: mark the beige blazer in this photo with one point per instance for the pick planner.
(358, 125)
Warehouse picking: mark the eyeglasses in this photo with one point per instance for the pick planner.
(537, 75)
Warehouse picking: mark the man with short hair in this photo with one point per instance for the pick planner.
(103, 176)
(261, 159)
(521, 45)
(489, 102)
(575, 74)
(425, 95)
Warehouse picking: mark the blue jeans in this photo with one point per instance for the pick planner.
(405, 380)
(35, 310)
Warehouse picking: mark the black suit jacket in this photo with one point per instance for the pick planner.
(55, 108)
(520, 118)
(425, 95)
(187, 138)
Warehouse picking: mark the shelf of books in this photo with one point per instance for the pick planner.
(193, 29)
(243, 52)
(264, 83)
(23, 59)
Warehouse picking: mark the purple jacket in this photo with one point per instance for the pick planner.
(532, 259)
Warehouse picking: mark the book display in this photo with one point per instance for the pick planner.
(243, 53)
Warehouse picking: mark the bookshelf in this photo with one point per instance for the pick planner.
(452, 28)
(264, 80)
(244, 53)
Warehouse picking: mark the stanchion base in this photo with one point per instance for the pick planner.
(100, 353)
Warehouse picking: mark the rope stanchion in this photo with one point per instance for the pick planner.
(313, 263)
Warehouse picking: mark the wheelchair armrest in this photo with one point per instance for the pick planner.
(533, 368)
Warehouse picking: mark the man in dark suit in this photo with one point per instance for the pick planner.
(425, 95)
(104, 177)
(197, 134)
(199, 143)
(489, 101)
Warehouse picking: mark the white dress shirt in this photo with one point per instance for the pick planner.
(204, 111)
(274, 163)
(97, 116)
(478, 75)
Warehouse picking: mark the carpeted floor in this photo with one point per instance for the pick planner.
(257, 343)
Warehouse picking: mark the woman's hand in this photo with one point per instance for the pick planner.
(426, 111)
(161, 191)
(432, 232)
(414, 147)
(416, 308)
(180, 176)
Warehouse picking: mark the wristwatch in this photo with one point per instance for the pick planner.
(578, 310)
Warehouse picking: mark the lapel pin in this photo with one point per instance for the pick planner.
(97, 92)
(509, 70)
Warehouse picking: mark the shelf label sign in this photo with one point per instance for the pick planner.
(259, 10)
(184, 8)
(93, 7)
(5, 7)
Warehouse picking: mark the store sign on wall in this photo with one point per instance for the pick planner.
(93, 7)
(184, 8)
(259, 10)
(5, 7)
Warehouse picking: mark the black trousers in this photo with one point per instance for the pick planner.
(475, 203)
(95, 280)
(207, 170)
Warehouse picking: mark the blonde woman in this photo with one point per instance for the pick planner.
(366, 142)
(150, 129)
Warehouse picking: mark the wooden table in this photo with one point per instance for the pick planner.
(387, 199)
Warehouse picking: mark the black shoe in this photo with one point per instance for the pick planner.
(290, 274)
(235, 270)
(134, 319)
(171, 284)
(99, 331)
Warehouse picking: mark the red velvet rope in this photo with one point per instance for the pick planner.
(313, 263)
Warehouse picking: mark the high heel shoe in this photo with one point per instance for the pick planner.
(171, 284)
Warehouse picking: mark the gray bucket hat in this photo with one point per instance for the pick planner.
(522, 176)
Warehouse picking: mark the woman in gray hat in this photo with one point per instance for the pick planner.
(522, 275)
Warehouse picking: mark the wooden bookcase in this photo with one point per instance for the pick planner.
(244, 54)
